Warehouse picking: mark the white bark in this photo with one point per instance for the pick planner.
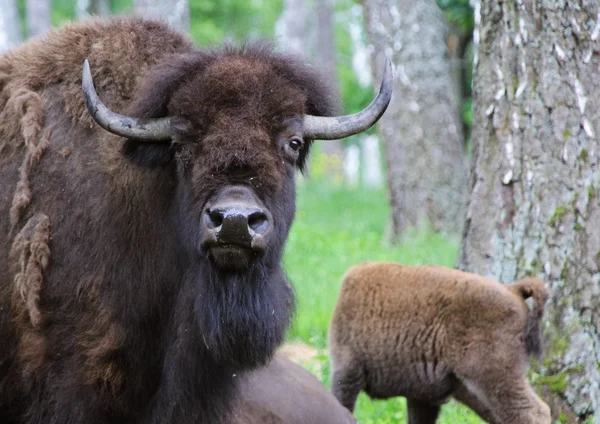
(371, 157)
(325, 60)
(175, 12)
(10, 31)
(361, 53)
(372, 174)
(291, 28)
(352, 165)
(38, 17)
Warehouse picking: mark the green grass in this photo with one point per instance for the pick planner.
(335, 228)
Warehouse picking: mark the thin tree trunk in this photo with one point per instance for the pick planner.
(325, 60)
(175, 12)
(10, 31)
(422, 131)
(372, 172)
(325, 46)
(535, 201)
(86, 8)
(38, 17)
(371, 157)
(292, 27)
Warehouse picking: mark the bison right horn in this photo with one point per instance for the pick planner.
(336, 127)
(143, 129)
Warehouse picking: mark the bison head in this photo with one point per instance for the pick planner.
(230, 128)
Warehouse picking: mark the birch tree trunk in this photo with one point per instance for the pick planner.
(10, 31)
(535, 180)
(86, 8)
(325, 60)
(422, 131)
(175, 12)
(292, 27)
(38, 17)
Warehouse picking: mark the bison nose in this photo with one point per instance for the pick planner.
(236, 223)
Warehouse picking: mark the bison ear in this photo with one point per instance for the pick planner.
(152, 101)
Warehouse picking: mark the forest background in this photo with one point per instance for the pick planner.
(486, 160)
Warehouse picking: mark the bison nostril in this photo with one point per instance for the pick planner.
(213, 218)
(258, 222)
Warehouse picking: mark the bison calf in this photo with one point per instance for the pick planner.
(429, 333)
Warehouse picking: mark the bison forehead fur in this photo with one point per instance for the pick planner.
(429, 333)
(111, 307)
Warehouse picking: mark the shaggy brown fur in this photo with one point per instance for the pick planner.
(31, 249)
(429, 333)
(56, 60)
(285, 393)
(111, 310)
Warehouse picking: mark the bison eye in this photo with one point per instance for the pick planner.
(296, 144)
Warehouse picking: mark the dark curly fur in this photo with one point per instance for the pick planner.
(110, 310)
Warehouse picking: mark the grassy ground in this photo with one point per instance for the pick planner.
(336, 228)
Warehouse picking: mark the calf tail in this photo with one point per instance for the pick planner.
(535, 288)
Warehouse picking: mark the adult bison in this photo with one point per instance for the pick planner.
(140, 254)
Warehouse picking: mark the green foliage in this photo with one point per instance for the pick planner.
(215, 20)
(458, 12)
(467, 111)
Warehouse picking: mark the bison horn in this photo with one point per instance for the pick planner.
(143, 129)
(336, 127)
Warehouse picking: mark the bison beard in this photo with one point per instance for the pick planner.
(243, 317)
(240, 320)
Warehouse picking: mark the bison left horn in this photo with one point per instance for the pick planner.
(336, 127)
(143, 129)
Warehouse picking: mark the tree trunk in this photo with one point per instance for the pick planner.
(175, 12)
(325, 60)
(10, 31)
(422, 131)
(291, 28)
(86, 8)
(535, 201)
(38, 17)
(372, 175)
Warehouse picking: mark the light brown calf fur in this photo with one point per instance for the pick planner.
(285, 393)
(430, 333)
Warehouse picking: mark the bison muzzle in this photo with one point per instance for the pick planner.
(236, 227)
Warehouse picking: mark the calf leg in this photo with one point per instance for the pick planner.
(421, 412)
(514, 402)
(346, 384)
(477, 404)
